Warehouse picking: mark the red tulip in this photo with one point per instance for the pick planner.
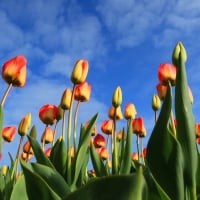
(99, 141)
(161, 90)
(82, 92)
(138, 127)
(8, 133)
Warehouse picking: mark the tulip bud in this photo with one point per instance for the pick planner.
(197, 130)
(80, 72)
(82, 92)
(27, 148)
(120, 134)
(66, 99)
(117, 97)
(60, 113)
(4, 170)
(24, 125)
(179, 48)
(134, 156)
(99, 141)
(8, 133)
(107, 127)
(115, 112)
(48, 152)
(130, 111)
(26, 156)
(138, 127)
(161, 90)
(155, 102)
(47, 136)
(103, 152)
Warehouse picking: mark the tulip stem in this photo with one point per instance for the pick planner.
(138, 148)
(172, 123)
(63, 124)
(6, 94)
(75, 123)
(54, 132)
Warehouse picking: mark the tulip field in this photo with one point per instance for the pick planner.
(168, 168)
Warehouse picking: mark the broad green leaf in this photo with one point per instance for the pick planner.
(186, 127)
(36, 186)
(58, 156)
(19, 190)
(164, 156)
(81, 152)
(121, 187)
(126, 160)
(38, 152)
(97, 162)
(54, 180)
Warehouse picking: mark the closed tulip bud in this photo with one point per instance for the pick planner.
(117, 97)
(197, 130)
(155, 102)
(48, 114)
(27, 148)
(120, 135)
(161, 90)
(179, 48)
(99, 141)
(66, 99)
(26, 156)
(103, 152)
(8, 133)
(167, 72)
(115, 112)
(14, 71)
(4, 170)
(82, 92)
(107, 127)
(80, 72)
(47, 136)
(138, 127)
(60, 113)
(134, 156)
(24, 125)
(130, 111)
(94, 130)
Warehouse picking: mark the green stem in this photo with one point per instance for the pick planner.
(138, 148)
(172, 123)
(75, 123)
(63, 124)
(54, 132)
(6, 94)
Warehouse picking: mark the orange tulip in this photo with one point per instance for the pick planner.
(138, 127)
(103, 152)
(107, 127)
(47, 136)
(27, 148)
(99, 141)
(130, 111)
(167, 72)
(48, 114)
(14, 71)
(8, 133)
(120, 134)
(82, 92)
(80, 71)
(66, 99)
(111, 113)
(26, 156)
(161, 90)
(134, 156)
(197, 130)
(48, 152)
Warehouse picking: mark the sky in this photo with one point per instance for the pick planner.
(123, 41)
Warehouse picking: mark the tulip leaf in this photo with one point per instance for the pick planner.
(58, 156)
(19, 191)
(52, 178)
(1, 126)
(36, 186)
(81, 151)
(97, 162)
(126, 159)
(118, 187)
(186, 127)
(198, 176)
(38, 152)
(164, 156)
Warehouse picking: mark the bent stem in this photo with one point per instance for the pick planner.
(6, 94)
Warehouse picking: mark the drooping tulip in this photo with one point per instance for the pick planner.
(99, 141)
(107, 127)
(167, 72)
(130, 111)
(117, 97)
(138, 127)
(14, 71)
(48, 114)
(24, 125)
(115, 111)
(83, 92)
(80, 71)
(8, 133)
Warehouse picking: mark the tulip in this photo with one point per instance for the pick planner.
(94, 130)
(66, 99)
(117, 97)
(103, 152)
(24, 125)
(14, 71)
(120, 134)
(115, 113)
(198, 140)
(130, 111)
(79, 72)
(48, 152)
(47, 136)
(99, 141)
(107, 127)
(197, 130)
(179, 48)
(8, 133)
(26, 156)
(48, 114)
(138, 127)
(4, 170)
(155, 102)
(27, 148)
(167, 72)
(161, 90)
(82, 92)
(134, 156)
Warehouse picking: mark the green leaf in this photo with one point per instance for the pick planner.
(97, 162)
(197, 176)
(81, 152)
(126, 160)
(38, 152)
(58, 156)
(19, 190)
(36, 186)
(164, 156)
(54, 180)
(186, 127)
(121, 187)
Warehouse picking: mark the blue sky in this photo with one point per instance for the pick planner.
(123, 41)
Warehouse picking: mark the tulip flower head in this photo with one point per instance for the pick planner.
(130, 111)
(161, 90)
(115, 112)
(82, 92)
(138, 127)
(26, 156)
(24, 125)
(155, 102)
(107, 127)
(167, 72)
(48, 152)
(103, 152)
(197, 130)
(14, 71)
(48, 114)
(120, 134)
(99, 141)
(47, 136)
(80, 71)
(66, 99)
(27, 148)
(8, 133)
(117, 97)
